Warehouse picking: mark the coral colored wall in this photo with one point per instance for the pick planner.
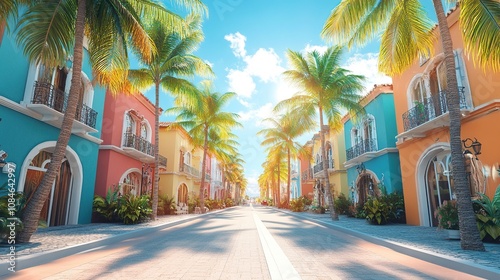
(480, 123)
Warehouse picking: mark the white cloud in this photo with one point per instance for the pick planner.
(257, 115)
(367, 65)
(320, 49)
(264, 64)
(285, 90)
(237, 44)
(241, 83)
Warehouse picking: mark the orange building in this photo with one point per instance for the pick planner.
(423, 127)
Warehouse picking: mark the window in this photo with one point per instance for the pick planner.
(187, 158)
(355, 136)
(131, 184)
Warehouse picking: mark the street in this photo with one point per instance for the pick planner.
(249, 242)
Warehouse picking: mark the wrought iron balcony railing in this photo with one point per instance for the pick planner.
(430, 108)
(190, 170)
(163, 160)
(319, 167)
(367, 145)
(140, 144)
(46, 94)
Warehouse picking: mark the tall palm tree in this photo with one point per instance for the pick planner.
(50, 30)
(326, 89)
(231, 167)
(202, 115)
(172, 60)
(407, 32)
(282, 134)
(275, 170)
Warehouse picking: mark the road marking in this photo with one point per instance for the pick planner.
(279, 265)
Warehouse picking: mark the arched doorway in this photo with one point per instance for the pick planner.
(439, 185)
(56, 208)
(365, 187)
(130, 184)
(182, 194)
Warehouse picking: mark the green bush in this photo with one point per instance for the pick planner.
(17, 202)
(377, 211)
(488, 216)
(341, 204)
(397, 206)
(106, 208)
(134, 209)
(166, 205)
(297, 205)
(193, 201)
(229, 202)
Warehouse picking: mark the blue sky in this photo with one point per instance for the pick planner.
(245, 43)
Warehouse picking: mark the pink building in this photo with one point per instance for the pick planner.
(126, 155)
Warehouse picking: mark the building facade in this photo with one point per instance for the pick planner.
(126, 155)
(32, 104)
(182, 177)
(423, 127)
(372, 159)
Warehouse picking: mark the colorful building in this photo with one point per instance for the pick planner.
(32, 104)
(126, 155)
(372, 159)
(423, 126)
(182, 177)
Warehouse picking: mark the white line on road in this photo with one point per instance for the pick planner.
(279, 265)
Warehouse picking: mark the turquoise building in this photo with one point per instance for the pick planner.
(32, 102)
(372, 159)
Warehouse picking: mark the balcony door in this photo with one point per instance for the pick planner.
(439, 183)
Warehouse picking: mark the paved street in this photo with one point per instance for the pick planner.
(244, 243)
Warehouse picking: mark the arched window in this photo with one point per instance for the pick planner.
(144, 131)
(131, 184)
(187, 158)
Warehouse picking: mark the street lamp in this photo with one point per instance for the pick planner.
(474, 144)
(361, 168)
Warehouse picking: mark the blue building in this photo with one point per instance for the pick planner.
(32, 101)
(372, 159)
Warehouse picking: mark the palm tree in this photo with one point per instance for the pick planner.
(275, 169)
(173, 59)
(325, 90)
(407, 32)
(202, 116)
(50, 30)
(282, 135)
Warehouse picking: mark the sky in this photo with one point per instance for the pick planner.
(246, 43)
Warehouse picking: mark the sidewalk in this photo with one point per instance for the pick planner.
(57, 241)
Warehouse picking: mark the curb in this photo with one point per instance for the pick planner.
(432, 257)
(27, 261)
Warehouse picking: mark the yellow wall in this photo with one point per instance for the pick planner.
(172, 141)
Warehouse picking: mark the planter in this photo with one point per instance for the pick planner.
(453, 234)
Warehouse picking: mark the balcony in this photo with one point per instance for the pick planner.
(367, 145)
(318, 168)
(162, 161)
(307, 175)
(51, 103)
(190, 171)
(138, 147)
(430, 114)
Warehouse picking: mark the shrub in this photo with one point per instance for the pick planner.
(447, 215)
(134, 209)
(166, 205)
(397, 207)
(377, 211)
(193, 201)
(106, 208)
(11, 201)
(297, 205)
(229, 202)
(341, 204)
(488, 216)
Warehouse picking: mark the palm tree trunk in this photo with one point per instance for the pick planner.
(288, 183)
(470, 238)
(203, 164)
(279, 185)
(328, 193)
(32, 212)
(157, 152)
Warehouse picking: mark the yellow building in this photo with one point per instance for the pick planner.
(182, 177)
(335, 153)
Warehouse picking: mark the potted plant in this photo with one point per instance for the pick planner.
(447, 215)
